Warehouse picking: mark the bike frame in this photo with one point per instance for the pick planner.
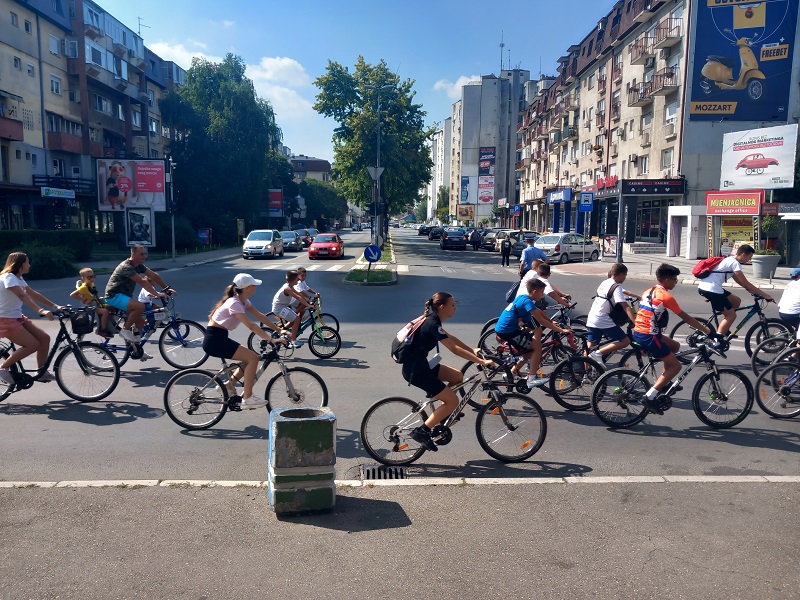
(703, 355)
(752, 309)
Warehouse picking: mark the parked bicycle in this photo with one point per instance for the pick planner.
(510, 427)
(721, 398)
(84, 371)
(323, 341)
(198, 398)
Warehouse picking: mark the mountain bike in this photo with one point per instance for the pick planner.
(767, 352)
(198, 398)
(778, 387)
(84, 371)
(324, 341)
(562, 317)
(510, 427)
(721, 398)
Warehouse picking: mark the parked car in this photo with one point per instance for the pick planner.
(453, 237)
(491, 241)
(518, 245)
(326, 245)
(262, 242)
(563, 247)
(435, 233)
(291, 241)
(424, 230)
(305, 237)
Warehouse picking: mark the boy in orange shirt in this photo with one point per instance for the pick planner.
(651, 319)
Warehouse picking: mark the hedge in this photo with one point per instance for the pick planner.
(77, 242)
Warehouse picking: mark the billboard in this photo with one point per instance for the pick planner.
(275, 203)
(486, 188)
(743, 60)
(466, 212)
(759, 158)
(746, 202)
(138, 226)
(124, 183)
(486, 156)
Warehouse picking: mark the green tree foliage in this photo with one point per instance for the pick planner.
(224, 146)
(344, 97)
(443, 204)
(324, 203)
(421, 210)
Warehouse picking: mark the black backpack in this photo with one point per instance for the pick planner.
(617, 313)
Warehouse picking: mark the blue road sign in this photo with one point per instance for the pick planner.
(587, 200)
(372, 253)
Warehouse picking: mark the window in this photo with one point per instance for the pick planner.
(647, 120)
(55, 45)
(591, 83)
(30, 69)
(136, 118)
(120, 112)
(17, 63)
(666, 158)
(670, 112)
(154, 126)
(642, 164)
(34, 160)
(91, 17)
(58, 167)
(102, 104)
(153, 153)
(151, 98)
(75, 96)
(14, 19)
(55, 85)
(28, 27)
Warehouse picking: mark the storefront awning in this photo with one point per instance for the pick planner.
(6, 94)
(791, 217)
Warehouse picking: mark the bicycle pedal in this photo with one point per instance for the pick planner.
(235, 403)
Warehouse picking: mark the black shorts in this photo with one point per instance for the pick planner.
(420, 375)
(519, 340)
(719, 302)
(217, 343)
(791, 319)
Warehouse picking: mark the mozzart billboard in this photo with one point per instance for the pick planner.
(743, 60)
(759, 158)
(126, 183)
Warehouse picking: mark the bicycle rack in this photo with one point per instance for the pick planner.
(371, 472)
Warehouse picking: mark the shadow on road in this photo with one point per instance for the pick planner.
(101, 413)
(356, 515)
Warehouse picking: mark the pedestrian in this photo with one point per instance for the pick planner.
(475, 239)
(505, 251)
(530, 254)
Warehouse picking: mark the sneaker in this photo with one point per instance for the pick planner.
(129, 336)
(423, 437)
(596, 356)
(48, 376)
(295, 344)
(651, 405)
(253, 402)
(534, 382)
(5, 375)
(145, 356)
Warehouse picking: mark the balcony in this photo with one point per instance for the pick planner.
(641, 50)
(669, 131)
(64, 142)
(644, 138)
(556, 139)
(541, 133)
(616, 73)
(93, 32)
(519, 165)
(614, 149)
(668, 33)
(526, 161)
(600, 118)
(11, 129)
(616, 111)
(602, 80)
(644, 10)
(572, 102)
(137, 62)
(555, 125)
(665, 81)
(121, 84)
(569, 133)
(119, 49)
(639, 95)
(86, 186)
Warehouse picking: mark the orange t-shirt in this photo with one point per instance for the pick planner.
(653, 305)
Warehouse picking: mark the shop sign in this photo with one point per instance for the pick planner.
(606, 182)
(769, 209)
(559, 196)
(654, 187)
(734, 203)
(51, 192)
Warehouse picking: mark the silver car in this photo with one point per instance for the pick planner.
(564, 247)
(262, 243)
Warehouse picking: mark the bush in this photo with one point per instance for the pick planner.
(49, 262)
(78, 242)
(766, 252)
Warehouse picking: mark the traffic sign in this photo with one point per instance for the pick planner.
(372, 253)
(587, 201)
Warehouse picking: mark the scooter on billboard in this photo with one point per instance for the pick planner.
(718, 71)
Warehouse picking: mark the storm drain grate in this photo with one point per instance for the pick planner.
(383, 472)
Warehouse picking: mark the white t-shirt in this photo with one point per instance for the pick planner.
(790, 299)
(225, 315)
(10, 303)
(713, 283)
(600, 312)
(145, 297)
(523, 288)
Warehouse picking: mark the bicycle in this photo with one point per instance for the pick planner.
(763, 329)
(778, 387)
(563, 318)
(510, 427)
(323, 341)
(618, 394)
(768, 351)
(198, 398)
(180, 343)
(84, 371)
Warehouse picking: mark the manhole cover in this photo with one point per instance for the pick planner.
(383, 472)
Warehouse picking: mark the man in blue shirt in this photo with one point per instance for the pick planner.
(530, 254)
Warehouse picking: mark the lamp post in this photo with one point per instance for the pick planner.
(171, 167)
(378, 170)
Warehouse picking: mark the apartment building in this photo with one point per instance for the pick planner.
(75, 85)
(308, 167)
(440, 157)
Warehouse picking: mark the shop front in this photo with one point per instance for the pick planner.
(733, 219)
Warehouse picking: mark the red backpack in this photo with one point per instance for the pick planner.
(704, 268)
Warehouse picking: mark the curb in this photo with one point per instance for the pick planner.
(361, 262)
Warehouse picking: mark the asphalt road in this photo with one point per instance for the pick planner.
(44, 436)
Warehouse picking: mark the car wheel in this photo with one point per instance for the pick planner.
(594, 255)
(563, 259)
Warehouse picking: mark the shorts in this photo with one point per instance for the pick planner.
(420, 375)
(119, 301)
(520, 340)
(793, 320)
(614, 334)
(9, 325)
(719, 302)
(654, 345)
(217, 343)
(287, 314)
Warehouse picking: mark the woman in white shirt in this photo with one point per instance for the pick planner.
(224, 318)
(14, 292)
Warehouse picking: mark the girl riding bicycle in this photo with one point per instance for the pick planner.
(224, 318)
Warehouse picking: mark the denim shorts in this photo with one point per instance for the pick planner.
(652, 343)
(614, 334)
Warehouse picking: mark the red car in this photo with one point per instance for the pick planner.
(326, 245)
(756, 163)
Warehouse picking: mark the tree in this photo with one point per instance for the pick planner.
(324, 203)
(421, 210)
(443, 204)
(344, 97)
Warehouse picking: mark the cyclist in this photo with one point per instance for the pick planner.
(302, 285)
(789, 306)
(119, 290)
(524, 339)
(14, 292)
(722, 300)
(86, 292)
(430, 375)
(224, 318)
(651, 320)
(599, 322)
(529, 255)
(286, 301)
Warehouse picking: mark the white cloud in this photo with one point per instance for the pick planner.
(228, 24)
(180, 54)
(453, 90)
(279, 69)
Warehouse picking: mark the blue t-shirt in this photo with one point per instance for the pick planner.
(530, 254)
(520, 308)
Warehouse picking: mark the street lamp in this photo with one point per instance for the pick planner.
(377, 174)
(172, 166)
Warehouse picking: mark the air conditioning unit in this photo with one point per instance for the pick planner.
(69, 48)
(621, 133)
(669, 129)
(587, 124)
(633, 158)
(665, 53)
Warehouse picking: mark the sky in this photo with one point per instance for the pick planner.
(438, 44)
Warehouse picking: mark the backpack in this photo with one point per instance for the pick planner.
(704, 267)
(617, 312)
(401, 344)
(512, 291)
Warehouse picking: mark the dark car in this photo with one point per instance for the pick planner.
(424, 230)
(291, 241)
(520, 244)
(435, 233)
(453, 237)
(305, 237)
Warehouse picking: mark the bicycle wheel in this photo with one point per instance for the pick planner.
(632, 358)
(477, 400)
(324, 342)
(489, 342)
(617, 398)
(762, 331)
(195, 399)
(88, 373)
(572, 382)
(511, 427)
(489, 325)
(681, 332)
(767, 351)
(297, 387)
(722, 399)
(181, 344)
(777, 390)
(385, 431)
(328, 320)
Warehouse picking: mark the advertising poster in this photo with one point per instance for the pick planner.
(124, 183)
(734, 232)
(464, 188)
(759, 158)
(486, 188)
(486, 157)
(275, 203)
(743, 60)
(466, 212)
(138, 226)
(734, 203)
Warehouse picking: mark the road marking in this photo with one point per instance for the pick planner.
(402, 268)
(334, 268)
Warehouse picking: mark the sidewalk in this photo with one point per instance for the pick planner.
(157, 262)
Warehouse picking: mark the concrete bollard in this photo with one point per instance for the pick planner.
(302, 460)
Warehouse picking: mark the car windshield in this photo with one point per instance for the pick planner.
(288, 234)
(325, 238)
(548, 239)
(301, 231)
(259, 236)
(313, 231)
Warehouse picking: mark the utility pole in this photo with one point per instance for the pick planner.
(376, 174)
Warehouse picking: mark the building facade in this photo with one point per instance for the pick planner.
(308, 167)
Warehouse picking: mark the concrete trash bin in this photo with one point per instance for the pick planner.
(302, 460)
